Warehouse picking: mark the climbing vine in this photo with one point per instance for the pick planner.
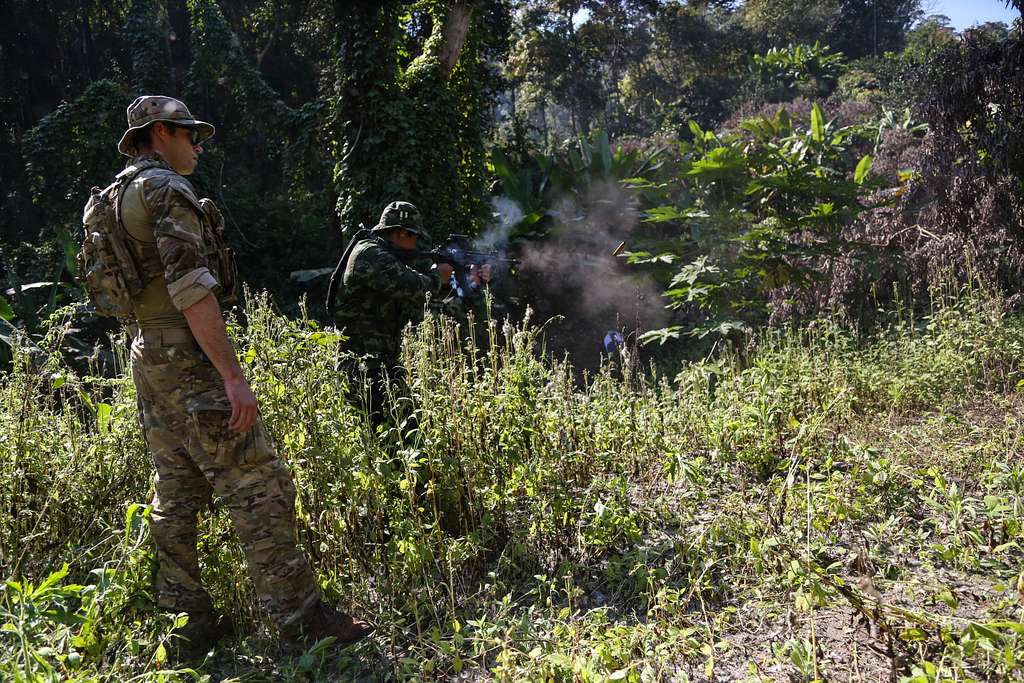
(403, 110)
(412, 130)
(148, 33)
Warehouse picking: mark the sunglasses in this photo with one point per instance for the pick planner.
(193, 133)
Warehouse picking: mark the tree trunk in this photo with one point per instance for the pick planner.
(460, 13)
(88, 50)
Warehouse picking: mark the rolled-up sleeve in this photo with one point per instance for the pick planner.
(179, 242)
(191, 288)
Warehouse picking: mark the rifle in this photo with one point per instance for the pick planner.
(455, 252)
(458, 253)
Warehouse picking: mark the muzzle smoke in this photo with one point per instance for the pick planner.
(573, 275)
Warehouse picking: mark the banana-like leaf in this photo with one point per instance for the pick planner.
(604, 151)
(861, 174)
(817, 123)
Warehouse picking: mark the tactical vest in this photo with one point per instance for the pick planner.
(115, 267)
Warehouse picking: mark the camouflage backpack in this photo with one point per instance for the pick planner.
(105, 262)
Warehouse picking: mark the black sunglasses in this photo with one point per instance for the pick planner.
(193, 133)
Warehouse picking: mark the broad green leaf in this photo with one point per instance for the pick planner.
(6, 312)
(1015, 626)
(103, 411)
(817, 123)
(982, 631)
(86, 400)
(719, 162)
(913, 635)
(53, 579)
(605, 151)
(661, 336)
(530, 219)
(640, 257)
(661, 214)
(698, 134)
(862, 169)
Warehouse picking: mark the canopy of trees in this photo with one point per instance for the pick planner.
(328, 110)
(763, 422)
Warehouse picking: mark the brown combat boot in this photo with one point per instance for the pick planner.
(192, 641)
(326, 621)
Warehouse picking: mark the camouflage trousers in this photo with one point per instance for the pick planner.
(377, 385)
(185, 414)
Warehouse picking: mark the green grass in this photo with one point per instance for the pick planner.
(823, 505)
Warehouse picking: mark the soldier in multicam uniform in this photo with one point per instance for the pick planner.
(199, 414)
(381, 292)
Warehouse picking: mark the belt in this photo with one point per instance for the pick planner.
(167, 337)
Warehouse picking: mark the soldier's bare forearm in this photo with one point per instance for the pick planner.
(207, 324)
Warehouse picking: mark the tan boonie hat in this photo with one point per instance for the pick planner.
(148, 109)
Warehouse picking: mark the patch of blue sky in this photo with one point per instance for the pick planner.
(964, 14)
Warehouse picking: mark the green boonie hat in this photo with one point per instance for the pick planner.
(149, 109)
(400, 215)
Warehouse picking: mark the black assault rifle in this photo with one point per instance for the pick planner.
(456, 252)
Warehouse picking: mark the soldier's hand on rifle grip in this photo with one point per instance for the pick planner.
(243, 405)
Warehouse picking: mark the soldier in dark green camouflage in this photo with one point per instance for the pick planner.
(199, 414)
(380, 294)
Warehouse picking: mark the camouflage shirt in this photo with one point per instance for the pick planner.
(161, 211)
(380, 295)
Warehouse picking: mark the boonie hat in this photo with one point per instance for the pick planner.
(149, 109)
(400, 215)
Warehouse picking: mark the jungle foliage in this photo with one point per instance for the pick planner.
(326, 111)
(636, 529)
(819, 207)
(755, 208)
(319, 106)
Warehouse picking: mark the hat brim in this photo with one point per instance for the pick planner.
(127, 144)
(385, 228)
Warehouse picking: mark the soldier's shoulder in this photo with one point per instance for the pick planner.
(164, 185)
(372, 249)
(157, 177)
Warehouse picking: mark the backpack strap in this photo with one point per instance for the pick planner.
(123, 180)
(136, 275)
(338, 276)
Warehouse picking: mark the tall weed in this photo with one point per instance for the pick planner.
(528, 526)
